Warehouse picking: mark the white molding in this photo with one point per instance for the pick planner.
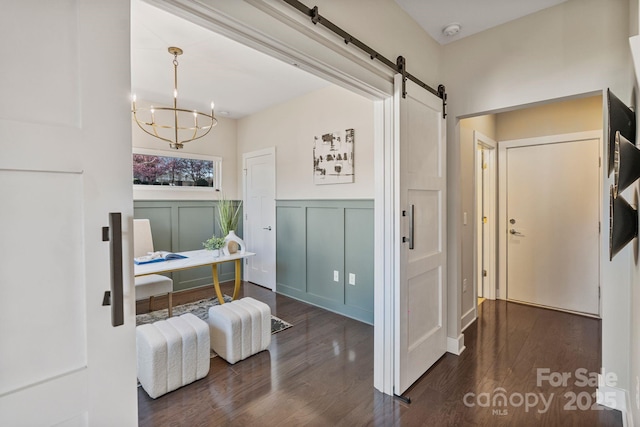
(456, 345)
(469, 317)
(383, 360)
(550, 139)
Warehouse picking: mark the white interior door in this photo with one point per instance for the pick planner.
(421, 295)
(65, 138)
(552, 224)
(259, 217)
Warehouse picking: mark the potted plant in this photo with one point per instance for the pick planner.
(228, 216)
(214, 244)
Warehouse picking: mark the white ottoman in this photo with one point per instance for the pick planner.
(239, 329)
(172, 353)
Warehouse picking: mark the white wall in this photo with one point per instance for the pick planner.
(575, 48)
(221, 142)
(291, 126)
(576, 115)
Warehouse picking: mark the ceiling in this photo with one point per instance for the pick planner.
(242, 81)
(472, 15)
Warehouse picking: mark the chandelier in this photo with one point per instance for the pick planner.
(176, 126)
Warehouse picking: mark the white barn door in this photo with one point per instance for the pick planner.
(65, 139)
(421, 328)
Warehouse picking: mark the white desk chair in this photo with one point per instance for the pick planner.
(154, 284)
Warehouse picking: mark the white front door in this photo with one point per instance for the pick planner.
(259, 217)
(65, 139)
(420, 309)
(552, 223)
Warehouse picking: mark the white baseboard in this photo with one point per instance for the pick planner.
(456, 345)
(468, 318)
(616, 398)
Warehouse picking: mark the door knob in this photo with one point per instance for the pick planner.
(267, 228)
(515, 233)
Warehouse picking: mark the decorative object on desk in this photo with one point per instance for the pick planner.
(158, 256)
(333, 158)
(214, 244)
(228, 215)
(233, 244)
(201, 309)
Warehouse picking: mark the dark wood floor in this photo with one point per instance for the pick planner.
(320, 372)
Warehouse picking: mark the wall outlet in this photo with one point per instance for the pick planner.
(352, 279)
(464, 285)
(336, 276)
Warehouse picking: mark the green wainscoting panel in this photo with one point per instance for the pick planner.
(325, 253)
(178, 225)
(291, 248)
(358, 257)
(323, 236)
(194, 222)
(160, 219)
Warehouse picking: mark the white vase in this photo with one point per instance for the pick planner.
(232, 237)
(215, 253)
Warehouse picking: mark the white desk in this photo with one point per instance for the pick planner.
(194, 259)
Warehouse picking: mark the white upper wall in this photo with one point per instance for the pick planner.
(580, 46)
(291, 126)
(388, 29)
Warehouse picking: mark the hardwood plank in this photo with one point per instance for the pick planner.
(320, 372)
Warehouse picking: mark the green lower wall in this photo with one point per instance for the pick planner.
(179, 226)
(316, 238)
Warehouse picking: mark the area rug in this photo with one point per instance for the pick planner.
(201, 309)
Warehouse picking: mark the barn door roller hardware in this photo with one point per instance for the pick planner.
(399, 66)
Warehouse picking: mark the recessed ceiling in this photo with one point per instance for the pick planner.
(472, 15)
(240, 80)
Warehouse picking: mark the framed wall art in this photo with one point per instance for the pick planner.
(333, 158)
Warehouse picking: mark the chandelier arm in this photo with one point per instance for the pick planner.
(195, 126)
(198, 137)
(154, 135)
